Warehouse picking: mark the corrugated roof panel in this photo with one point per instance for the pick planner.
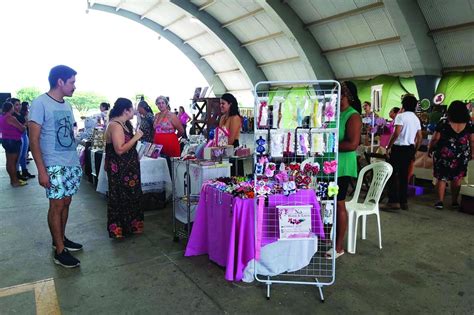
(395, 57)
(137, 7)
(185, 29)
(342, 33)
(287, 72)
(225, 11)
(266, 22)
(358, 62)
(221, 62)
(440, 14)
(455, 48)
(340, 65)
(358, 27)
(305, 10)
(379, 23)
(205, 43)
(234, 81)
(266, 51)
(166, 13)
(241, 30)
(325, 37)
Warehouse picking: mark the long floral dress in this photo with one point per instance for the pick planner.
(452, 153)
(124, 214)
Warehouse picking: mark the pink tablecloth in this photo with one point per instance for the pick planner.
(224, 227)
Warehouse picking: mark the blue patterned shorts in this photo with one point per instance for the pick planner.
(65, 181)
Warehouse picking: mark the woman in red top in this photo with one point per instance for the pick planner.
(167, 128)
(11, 131)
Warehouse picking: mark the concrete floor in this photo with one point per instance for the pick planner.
(426, 265)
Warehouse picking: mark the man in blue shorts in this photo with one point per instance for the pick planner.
(54, 150)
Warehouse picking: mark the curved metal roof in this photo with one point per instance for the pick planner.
(236, 43)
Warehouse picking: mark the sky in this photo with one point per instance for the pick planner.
(112, 55)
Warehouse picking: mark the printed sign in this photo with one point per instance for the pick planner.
(295, 221)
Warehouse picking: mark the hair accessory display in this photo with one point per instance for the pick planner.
(262, 188)
(276, 143)
(311, 169)
(330, 167)
(260, 149)
(303, 143)
(317, 143)
(289, 188)
(322, 190)
(262, 115)
(330, 110)
(330, 142)
(270, 169)
(333, 189)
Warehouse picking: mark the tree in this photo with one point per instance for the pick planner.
(83, 101)
(28, 94)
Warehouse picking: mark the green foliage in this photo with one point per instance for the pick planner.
(28, 94)
(83, 101)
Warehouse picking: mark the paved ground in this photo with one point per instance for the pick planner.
(426, 266)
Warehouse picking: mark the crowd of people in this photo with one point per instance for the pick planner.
(51, 139)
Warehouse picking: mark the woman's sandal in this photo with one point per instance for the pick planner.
(330, 252)
(20, 183)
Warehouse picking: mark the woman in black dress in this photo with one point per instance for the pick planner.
(452, 147)
(124, 214)
(146, 122)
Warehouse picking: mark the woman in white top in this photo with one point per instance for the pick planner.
(405, 141)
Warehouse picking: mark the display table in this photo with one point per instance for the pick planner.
(155, 176)
(198, 174)
(225, 230)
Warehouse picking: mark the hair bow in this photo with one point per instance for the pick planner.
(330, 167)
(282, 177)
(333, 189)
(322, 190)
(270, 169)
(289, 188)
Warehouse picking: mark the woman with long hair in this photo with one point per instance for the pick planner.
(11, 131)
(230, 118)
(124, 214)
(168, 128)
(452, 146)
(146, 121)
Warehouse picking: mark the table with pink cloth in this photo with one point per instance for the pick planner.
(224, 227)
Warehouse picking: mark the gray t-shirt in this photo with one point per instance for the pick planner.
(58, 146)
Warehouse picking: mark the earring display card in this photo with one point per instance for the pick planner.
(302, 142)
(276, 143)
(318, 146)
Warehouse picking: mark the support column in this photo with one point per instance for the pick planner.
(426, 86)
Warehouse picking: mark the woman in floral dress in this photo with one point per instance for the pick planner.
(452, 147)
(124, 214)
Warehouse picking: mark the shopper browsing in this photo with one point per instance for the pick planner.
(230, 118)
(124, 214)
(404, 143)
(54, 150)
(168, 128)
(452, 147)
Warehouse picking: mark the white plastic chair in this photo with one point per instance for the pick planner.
(370, 205)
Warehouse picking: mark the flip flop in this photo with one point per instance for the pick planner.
(20, 183)
(329, 253)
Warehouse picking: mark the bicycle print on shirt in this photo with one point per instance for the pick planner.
(64, 131)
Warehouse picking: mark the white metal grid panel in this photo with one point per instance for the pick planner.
(440, 14)
(456, 48)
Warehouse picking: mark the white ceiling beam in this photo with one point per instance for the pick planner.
(186, 41)
(279, 61)
(452, 28)
(119, 5)
(261, 39)
(228, 71)
(150, 9)
(243, 17)
(167, 26)
(395, 39)
(207, 5)
(212, 53)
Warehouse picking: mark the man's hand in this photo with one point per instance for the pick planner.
(43, 179)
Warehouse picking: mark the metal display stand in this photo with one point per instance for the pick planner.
(304, 256)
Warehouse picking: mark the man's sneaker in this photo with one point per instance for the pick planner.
(439, 205)
(27, 174)
(70, 245)
(66, 260)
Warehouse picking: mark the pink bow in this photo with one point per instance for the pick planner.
(330, 167)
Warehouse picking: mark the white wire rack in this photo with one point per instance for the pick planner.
(295, 230)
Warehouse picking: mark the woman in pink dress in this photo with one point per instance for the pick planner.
(184, 119)
(167, 128)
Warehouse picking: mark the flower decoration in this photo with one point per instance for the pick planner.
(333, 189)
(330, 167)
(270, 169)
(311, 169)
